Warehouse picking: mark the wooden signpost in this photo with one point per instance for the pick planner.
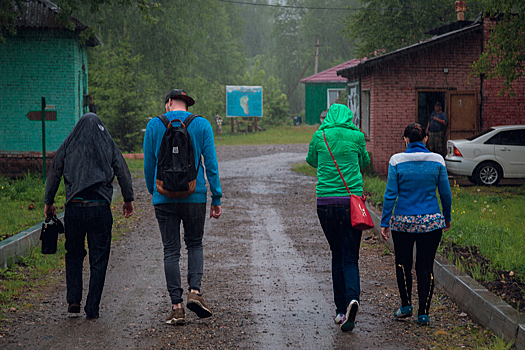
(43, 115)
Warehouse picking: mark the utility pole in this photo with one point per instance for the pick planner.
(316, 53)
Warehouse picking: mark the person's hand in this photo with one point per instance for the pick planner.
(215, 211)
(127, 209)
(50, 208)
(385, 232)
(447, 226)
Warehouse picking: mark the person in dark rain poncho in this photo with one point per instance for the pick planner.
(348, 147)
(89, 160)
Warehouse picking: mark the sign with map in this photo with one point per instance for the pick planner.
(244, 101)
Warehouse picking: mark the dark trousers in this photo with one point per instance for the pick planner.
(192, 216)
(426, 244)
(344, 241)
(96, 223)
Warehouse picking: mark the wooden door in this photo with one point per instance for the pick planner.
(462, 114)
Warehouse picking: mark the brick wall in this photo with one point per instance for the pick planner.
(35, 64)
(394, 86)
(501, 110)
(17, 164)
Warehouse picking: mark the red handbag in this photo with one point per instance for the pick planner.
(359, 215)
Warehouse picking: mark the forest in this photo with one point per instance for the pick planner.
(203, 45)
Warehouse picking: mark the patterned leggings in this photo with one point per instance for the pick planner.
(426, 244)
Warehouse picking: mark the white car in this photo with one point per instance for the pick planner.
(486, 158)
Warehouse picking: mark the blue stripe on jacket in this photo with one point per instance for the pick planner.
(413, 177)
(201, 134)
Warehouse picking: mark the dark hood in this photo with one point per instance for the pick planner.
(89, 156)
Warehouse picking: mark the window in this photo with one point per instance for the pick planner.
(508, 138)
(333, 95)
(365, 112)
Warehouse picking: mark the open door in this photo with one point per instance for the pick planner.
(462, 114)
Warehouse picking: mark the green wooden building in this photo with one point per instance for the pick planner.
(322, 90)
(43, 59)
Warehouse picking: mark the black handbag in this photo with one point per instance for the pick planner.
(49, 234)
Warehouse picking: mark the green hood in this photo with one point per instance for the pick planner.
(348, 147)
(339, 115)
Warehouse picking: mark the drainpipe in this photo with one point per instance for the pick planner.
(461, 8)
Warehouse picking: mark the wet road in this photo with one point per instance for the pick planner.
(267, 276)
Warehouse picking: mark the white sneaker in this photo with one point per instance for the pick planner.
(340, 318)
(351, 315)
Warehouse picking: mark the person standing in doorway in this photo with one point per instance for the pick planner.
(89, 160)
(340, 137)
(191, 211)
(436, 127)
(411, 210)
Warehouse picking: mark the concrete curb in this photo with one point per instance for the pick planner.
(19, 245)
(485, 308)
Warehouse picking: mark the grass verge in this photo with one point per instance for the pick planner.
(272, 136)
(23, 203)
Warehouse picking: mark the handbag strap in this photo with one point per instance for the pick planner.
(337, 166)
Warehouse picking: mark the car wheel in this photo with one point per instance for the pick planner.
(488, 174)
(471, 179)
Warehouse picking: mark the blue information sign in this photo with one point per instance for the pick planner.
(244, 101)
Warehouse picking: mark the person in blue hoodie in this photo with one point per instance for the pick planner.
(191, 211)
(413, 177)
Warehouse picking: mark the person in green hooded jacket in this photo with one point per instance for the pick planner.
(348, 147)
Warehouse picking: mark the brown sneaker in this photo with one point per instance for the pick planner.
(74, 308)
(196, 304)
(176, 316)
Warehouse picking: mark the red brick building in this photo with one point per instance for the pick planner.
(401, 87)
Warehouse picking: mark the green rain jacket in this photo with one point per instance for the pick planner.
(349, 149)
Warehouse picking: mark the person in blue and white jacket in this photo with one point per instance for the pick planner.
(413, 177)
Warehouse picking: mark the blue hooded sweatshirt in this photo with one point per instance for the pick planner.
(201, 134)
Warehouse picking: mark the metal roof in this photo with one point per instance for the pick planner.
(330, 75)
(353, 72)
(42, 14)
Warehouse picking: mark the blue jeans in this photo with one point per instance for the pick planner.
(344, 241)
(96, 222)
(169, 216)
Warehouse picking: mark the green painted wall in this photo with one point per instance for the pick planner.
(36, 64)
(315, 100)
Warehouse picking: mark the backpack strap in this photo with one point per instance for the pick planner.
(187, 123)
(189, 119)
(164, 119)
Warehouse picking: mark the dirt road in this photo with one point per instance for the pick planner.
(267, 277)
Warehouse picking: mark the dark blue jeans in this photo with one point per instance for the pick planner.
(344, 241)
(96, 223)
(169, 216)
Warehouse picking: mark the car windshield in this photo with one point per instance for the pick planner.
(480, 134)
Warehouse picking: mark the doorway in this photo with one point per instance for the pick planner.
(425, 104)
